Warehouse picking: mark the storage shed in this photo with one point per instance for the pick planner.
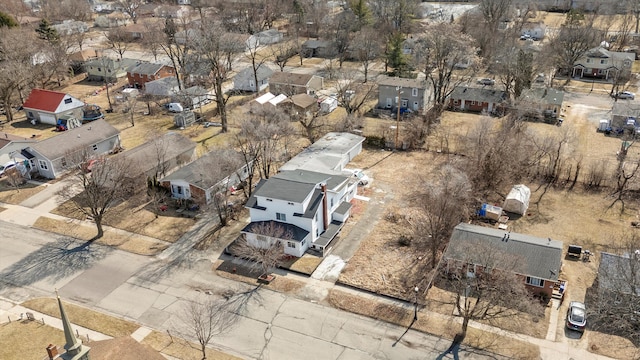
(517, 201)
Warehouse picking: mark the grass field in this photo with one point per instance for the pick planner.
(27, 340)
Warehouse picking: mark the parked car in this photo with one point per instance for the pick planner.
(363, 179)
(540, 78)
(486, 81)
(525, 37)
(576, 316)
(625, 95)
(6, 167)
(175, 107)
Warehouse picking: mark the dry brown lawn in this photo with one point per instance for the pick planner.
(27, 340)
(11, 195)
(241, 273)
(84, 317)
(137, 216)
(433, 324)
(128, 243)
(612, 346)
(181, 349)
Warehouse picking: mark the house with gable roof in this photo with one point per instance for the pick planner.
(46, 106)
(476, 99)
(539, 260)
(51, 157)
(294, 83)
(411, 94)
(145, 72)
(310, 197)
(601, 63)
(246, 81)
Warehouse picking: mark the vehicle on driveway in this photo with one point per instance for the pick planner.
(625, 95)
(363, 179)
(576, 316)
(6, 167)
(486, 81)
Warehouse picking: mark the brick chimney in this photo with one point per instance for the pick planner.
(52, 351)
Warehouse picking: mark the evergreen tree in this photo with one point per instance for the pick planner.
(7, 20)
(395, 57)
(46, 32)
(361, 11)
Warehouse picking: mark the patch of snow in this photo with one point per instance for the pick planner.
(329, 269)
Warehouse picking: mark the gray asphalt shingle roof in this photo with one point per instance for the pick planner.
(478, 94)
(169, 146)
(541, 258)
(193, 172)
(263, 72)
(402, 82)
(146, 68)
(296, 185)
(543, 96)
(74, 139)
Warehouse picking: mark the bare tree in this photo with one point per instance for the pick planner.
(444, 204)
(353, 95)
(130, 7)
(439, 52)
(130, 109)
(118, 41)
(206, 319)
(100, 190)
(486, 285)
(17, 46)
(222, 171)
(218, 49)
(257, 60)
(576, 36)
(177, 48)
(268, 249)
(283, 52)
(366, 47)
(612, 303)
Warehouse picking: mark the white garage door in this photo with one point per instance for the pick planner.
(47, 119)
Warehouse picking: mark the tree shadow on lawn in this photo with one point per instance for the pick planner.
(54, 261)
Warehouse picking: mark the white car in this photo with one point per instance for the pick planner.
(7, 166)
(486, 81)
(363, 179)
(625, 95)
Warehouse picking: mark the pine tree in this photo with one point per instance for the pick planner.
(7, 21)
(46, 32)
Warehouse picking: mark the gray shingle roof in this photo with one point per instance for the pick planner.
(541, 258)
(616, 273)
(146, 68)
(402, 82)
(74, 139)
(298, 233)
(326, 154)
(477, 94)
(145, 157)
(543, 96)
(264, 72)
(192, 172)
(296, 185)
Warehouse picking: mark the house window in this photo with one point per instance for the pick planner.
(331, 203)
(404, 103)
(473, 103)
(456, 101)
(63, 161)
(252, 84)
(603, 61)
(588, 61)
(414, 92)
(389, 102)
(471, 270)
(177, 189)
(269, 199)
(302, 242)
(281, 217)
(99, 69)
(289, 203)
(43, 165)
(291, 244)
(533, 281)
(94, 147)
(68, 101)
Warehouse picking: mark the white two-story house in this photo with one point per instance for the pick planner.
(312, 207)
(601, 63)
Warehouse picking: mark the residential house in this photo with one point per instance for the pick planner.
(244, 42)
(533, 30)
(319, 48)
(330, 154)
(166, 87)
(104, 67)
(156, 159)
(411, 94)
(145, 72)
(619, 276)
(312, 207)
(601, 63)
(183, 2)
(485, 99)
(197, 71)
(112, 20)
(136, 31)
(300, 106)
(189, 36)
(539, 260)
(545, 100)
(246, 81)
(53, 156)
(269, 37)
(79, 58)
(293, 83)
(11, 145)
(46, 106)
(70, 27)
(200, 179)
(195, 96)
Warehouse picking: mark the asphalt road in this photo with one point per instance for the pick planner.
(153, 293)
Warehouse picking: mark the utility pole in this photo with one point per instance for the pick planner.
(399, 89)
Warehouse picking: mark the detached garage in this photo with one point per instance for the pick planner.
(47, 106)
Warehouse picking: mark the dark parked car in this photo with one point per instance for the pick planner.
(576, 316)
